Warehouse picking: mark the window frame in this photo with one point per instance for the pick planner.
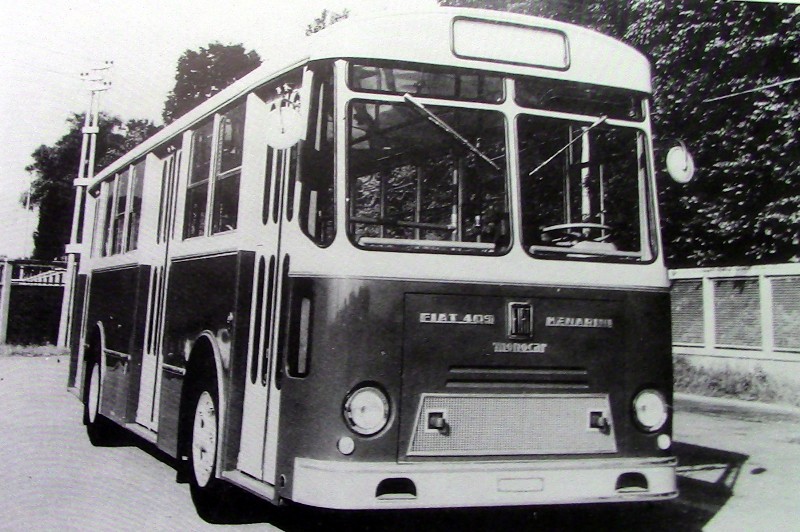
(443, 247)
(649, 251)
(220, 176)
(198, 184)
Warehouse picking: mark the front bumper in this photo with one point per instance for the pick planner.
(377, 485)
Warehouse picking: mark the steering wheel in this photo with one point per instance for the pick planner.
(572, 231)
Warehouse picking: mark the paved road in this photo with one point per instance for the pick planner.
(739, 471)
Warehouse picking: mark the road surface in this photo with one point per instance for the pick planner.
(739, 471)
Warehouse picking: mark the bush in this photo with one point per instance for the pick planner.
(10, 350)
(753, 385)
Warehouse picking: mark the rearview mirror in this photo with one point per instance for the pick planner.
(680, 165)
(287, 117)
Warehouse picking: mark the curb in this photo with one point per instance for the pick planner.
(739, 404)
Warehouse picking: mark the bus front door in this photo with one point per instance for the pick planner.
(257, 448)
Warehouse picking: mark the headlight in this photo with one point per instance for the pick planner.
(366, 410)
(650, 410)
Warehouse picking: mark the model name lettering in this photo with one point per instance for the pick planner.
(588, 323)
(514, 347)
(461, 319)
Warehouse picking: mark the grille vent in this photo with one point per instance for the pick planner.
(505, 425)
(737, 311)
(687, 312)
(786, 312)
(523, 378)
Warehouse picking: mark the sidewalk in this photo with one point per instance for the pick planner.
(701, 403)
(738, 463)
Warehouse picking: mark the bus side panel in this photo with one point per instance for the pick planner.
(117, 301)
(356, 336)
(201, 299)
(75, 334)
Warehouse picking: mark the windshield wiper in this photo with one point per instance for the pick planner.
(441, 124)
(570, 143)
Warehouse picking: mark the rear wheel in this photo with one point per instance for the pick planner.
(98, 428)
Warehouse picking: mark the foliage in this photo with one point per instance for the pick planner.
(325, 19)
(55, 167)
(748, 385)
(202, 73)
(743, 206)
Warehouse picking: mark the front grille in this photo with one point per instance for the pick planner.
(521, 378)
(503, 425)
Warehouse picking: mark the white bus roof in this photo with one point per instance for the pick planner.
(437, 37)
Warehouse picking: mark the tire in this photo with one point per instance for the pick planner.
(209, 494)
(99, 429)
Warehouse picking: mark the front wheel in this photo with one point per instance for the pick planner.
(204, 440)
(210, 495)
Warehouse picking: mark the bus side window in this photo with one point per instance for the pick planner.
(316, 171)
(228, 170)
(135, 206)
(108, 209)
(197, 193)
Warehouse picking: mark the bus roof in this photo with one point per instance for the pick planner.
(456, 37)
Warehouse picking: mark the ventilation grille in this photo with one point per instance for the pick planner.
(786, 312)
(687, 312)
(565, 378)
(503, 425)
(737, 310)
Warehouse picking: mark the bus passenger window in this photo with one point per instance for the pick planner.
(119, 212)
(226, 182)
(316, 215)
(108, 209)
(197, 193)
(135, 206)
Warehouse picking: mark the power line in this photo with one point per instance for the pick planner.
(757, 89)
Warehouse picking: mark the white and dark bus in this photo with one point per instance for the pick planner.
(417, 264)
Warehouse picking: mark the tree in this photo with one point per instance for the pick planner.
(55, 167)
(325, 19)
(743, 207)
(202, 73)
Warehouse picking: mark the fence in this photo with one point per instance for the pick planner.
(30, 301)
(742, 316)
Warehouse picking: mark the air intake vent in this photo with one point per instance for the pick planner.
(561, 378)
(512, 424)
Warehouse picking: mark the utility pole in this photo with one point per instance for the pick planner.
(98, 83)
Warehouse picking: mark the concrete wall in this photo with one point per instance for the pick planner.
(739, 317)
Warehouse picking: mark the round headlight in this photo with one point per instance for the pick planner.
(366, 410)
(650, 409)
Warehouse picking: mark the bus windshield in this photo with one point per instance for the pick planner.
(427, 178)
(582, 188)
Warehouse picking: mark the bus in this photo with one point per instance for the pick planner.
(414, 263)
